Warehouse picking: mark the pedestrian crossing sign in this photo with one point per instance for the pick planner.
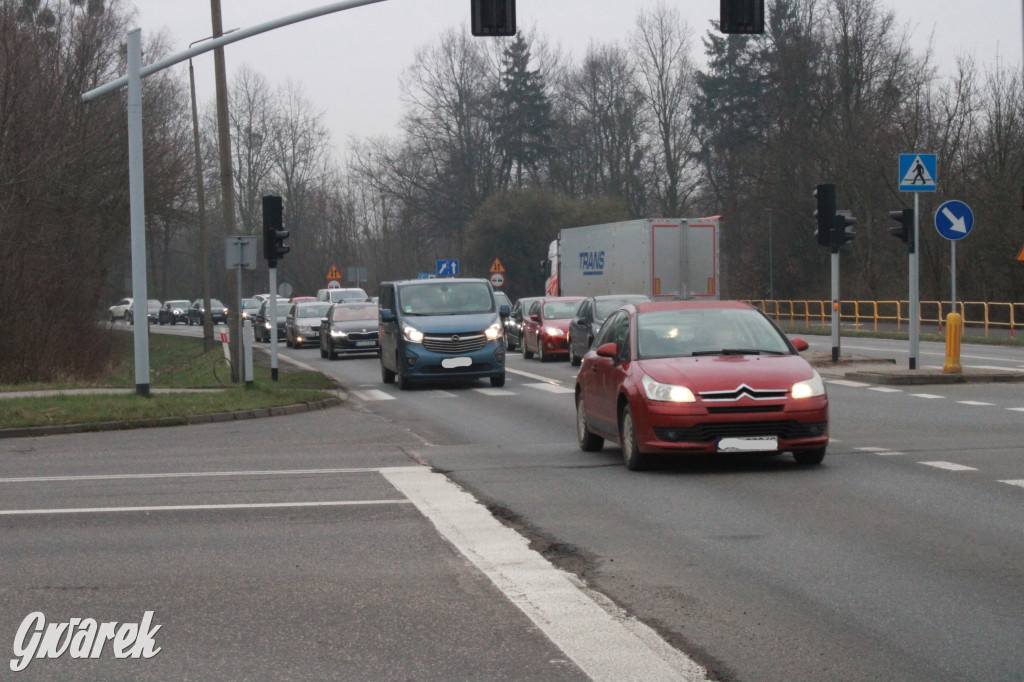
(918, 173)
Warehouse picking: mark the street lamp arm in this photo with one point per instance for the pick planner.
(226, 39)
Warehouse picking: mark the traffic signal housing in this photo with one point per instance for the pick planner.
(741, 16)
(905, 231)
(274, 233)
(842, 229)
(493, 17)
(825, 213)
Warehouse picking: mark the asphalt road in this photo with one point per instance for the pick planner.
(899, 558)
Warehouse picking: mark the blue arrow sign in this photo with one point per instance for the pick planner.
(918, 172)
(448, 268)
(954, 220)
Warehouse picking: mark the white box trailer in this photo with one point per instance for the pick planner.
(666, 259)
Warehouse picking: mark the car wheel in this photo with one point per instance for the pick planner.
(631, 455)
(386, 375)
(587, 440)
(331, 354)
(509, 346)
(573, 358)
(809, 457)
(498, 381)
(526, 354)
(323, 353)
(541, 356)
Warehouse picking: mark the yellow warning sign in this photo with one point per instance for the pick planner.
(1020, 256)
(334, 273)
(496, 266)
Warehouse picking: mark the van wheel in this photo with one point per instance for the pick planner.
(403, 381)
(498, 381)
(386, 375)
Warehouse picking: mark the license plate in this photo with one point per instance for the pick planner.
(749, 444)
(363, 344)
(453, 363)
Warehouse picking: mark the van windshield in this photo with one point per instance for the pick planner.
(445, 298)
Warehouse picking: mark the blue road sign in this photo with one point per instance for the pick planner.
(447, 268)
(918, 173)
(954, 220)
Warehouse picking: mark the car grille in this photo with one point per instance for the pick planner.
(701, 433)
(453, 344)
(362, 336)
(746, 409)
(744, 390)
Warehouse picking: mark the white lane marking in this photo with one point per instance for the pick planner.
(846, 382)
(537, 377)
(948, 466)
(606, 643)
(973, 402)
(373, 394)
(1018, 483)
(192, 474)
(436, 394)
(1015, 409)
(199, 507)
(997, 368)
(495, 391)
(928, 396)
(870, 448)
(885, 389)
(551, 388)
(881, 452)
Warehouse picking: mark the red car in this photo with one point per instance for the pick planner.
(546, 327)
(699, 377)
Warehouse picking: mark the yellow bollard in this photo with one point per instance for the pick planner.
(954, 330)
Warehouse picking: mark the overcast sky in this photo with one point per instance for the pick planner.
(348, 63)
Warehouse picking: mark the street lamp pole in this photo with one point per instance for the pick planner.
(201, 198)
(771, 261)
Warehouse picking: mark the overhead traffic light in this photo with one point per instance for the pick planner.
(842, 229)
(825, 213)
(905, 232)
(741, 16)
(274, 233)
(493, 17)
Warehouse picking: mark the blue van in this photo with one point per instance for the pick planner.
(441, 328)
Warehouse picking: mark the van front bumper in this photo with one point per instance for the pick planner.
(420, 363)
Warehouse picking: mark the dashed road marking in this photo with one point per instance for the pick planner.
(1019, 483)
(495, 391)
(881, 452)
(974, 402)
(948, 466)
(928, 396)
(551, 388)
(885, 389)
(846, 382)
(374, 394)
(1015, 409)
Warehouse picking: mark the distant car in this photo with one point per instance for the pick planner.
(303, 299)
(152, 309)
(589, 317)
(546, 326)
(349, 328)
(514, 323)
(302, 326)
(262, 323)
(342, 295)
(250, 306)
(699, 377)
(218, 312)
(119, 309)
(173, 312)
(501, 298)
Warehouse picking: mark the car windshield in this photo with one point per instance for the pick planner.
(177, 304)
(315, 310)
(560, 310)
(250, 303)
(607, 306)
(354, 313)
(707, 331)
(214, 303)
(153, 304)
(445, 298)
(346, 295)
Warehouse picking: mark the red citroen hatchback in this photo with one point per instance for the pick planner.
(685, 377)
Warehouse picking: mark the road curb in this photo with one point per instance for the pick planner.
(215, 417)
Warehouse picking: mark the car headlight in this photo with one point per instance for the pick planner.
(412, 334)
(266, 325)
(666, 393)
(337, 334)
(178, 312)
(809, 388)
(553, 331)
(493, 332)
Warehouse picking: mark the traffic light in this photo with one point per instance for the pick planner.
(905, 232)
(741, 16)
(842, 229)
(493, 17)
(274, 233)
(825, 213)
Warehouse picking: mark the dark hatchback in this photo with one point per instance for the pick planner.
(173, 312)
(262, 322)
(349, 328)
(589, 317)
(218, 312)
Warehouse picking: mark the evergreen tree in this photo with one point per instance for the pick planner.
(523, 116)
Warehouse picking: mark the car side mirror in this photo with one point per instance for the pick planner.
(799, 344)
(387, 315)
(580, 321)
(608, 350)
(504, 310)
(535, 318)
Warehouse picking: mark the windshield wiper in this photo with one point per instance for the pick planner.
(737, 351)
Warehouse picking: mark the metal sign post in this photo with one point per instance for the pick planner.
(239, 253)
(917, 173)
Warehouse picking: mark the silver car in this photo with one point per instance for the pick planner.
(302, 327)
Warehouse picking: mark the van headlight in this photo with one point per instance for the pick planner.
(412, 334)
(666, 393)
(493, 332)
(809, 388)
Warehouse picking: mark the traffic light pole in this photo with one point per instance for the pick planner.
(273, 322)
(915, 302)
(835, 305)
(137, 212)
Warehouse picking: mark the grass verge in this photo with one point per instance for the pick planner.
(175, 362)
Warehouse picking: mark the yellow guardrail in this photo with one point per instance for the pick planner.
(981, 315)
